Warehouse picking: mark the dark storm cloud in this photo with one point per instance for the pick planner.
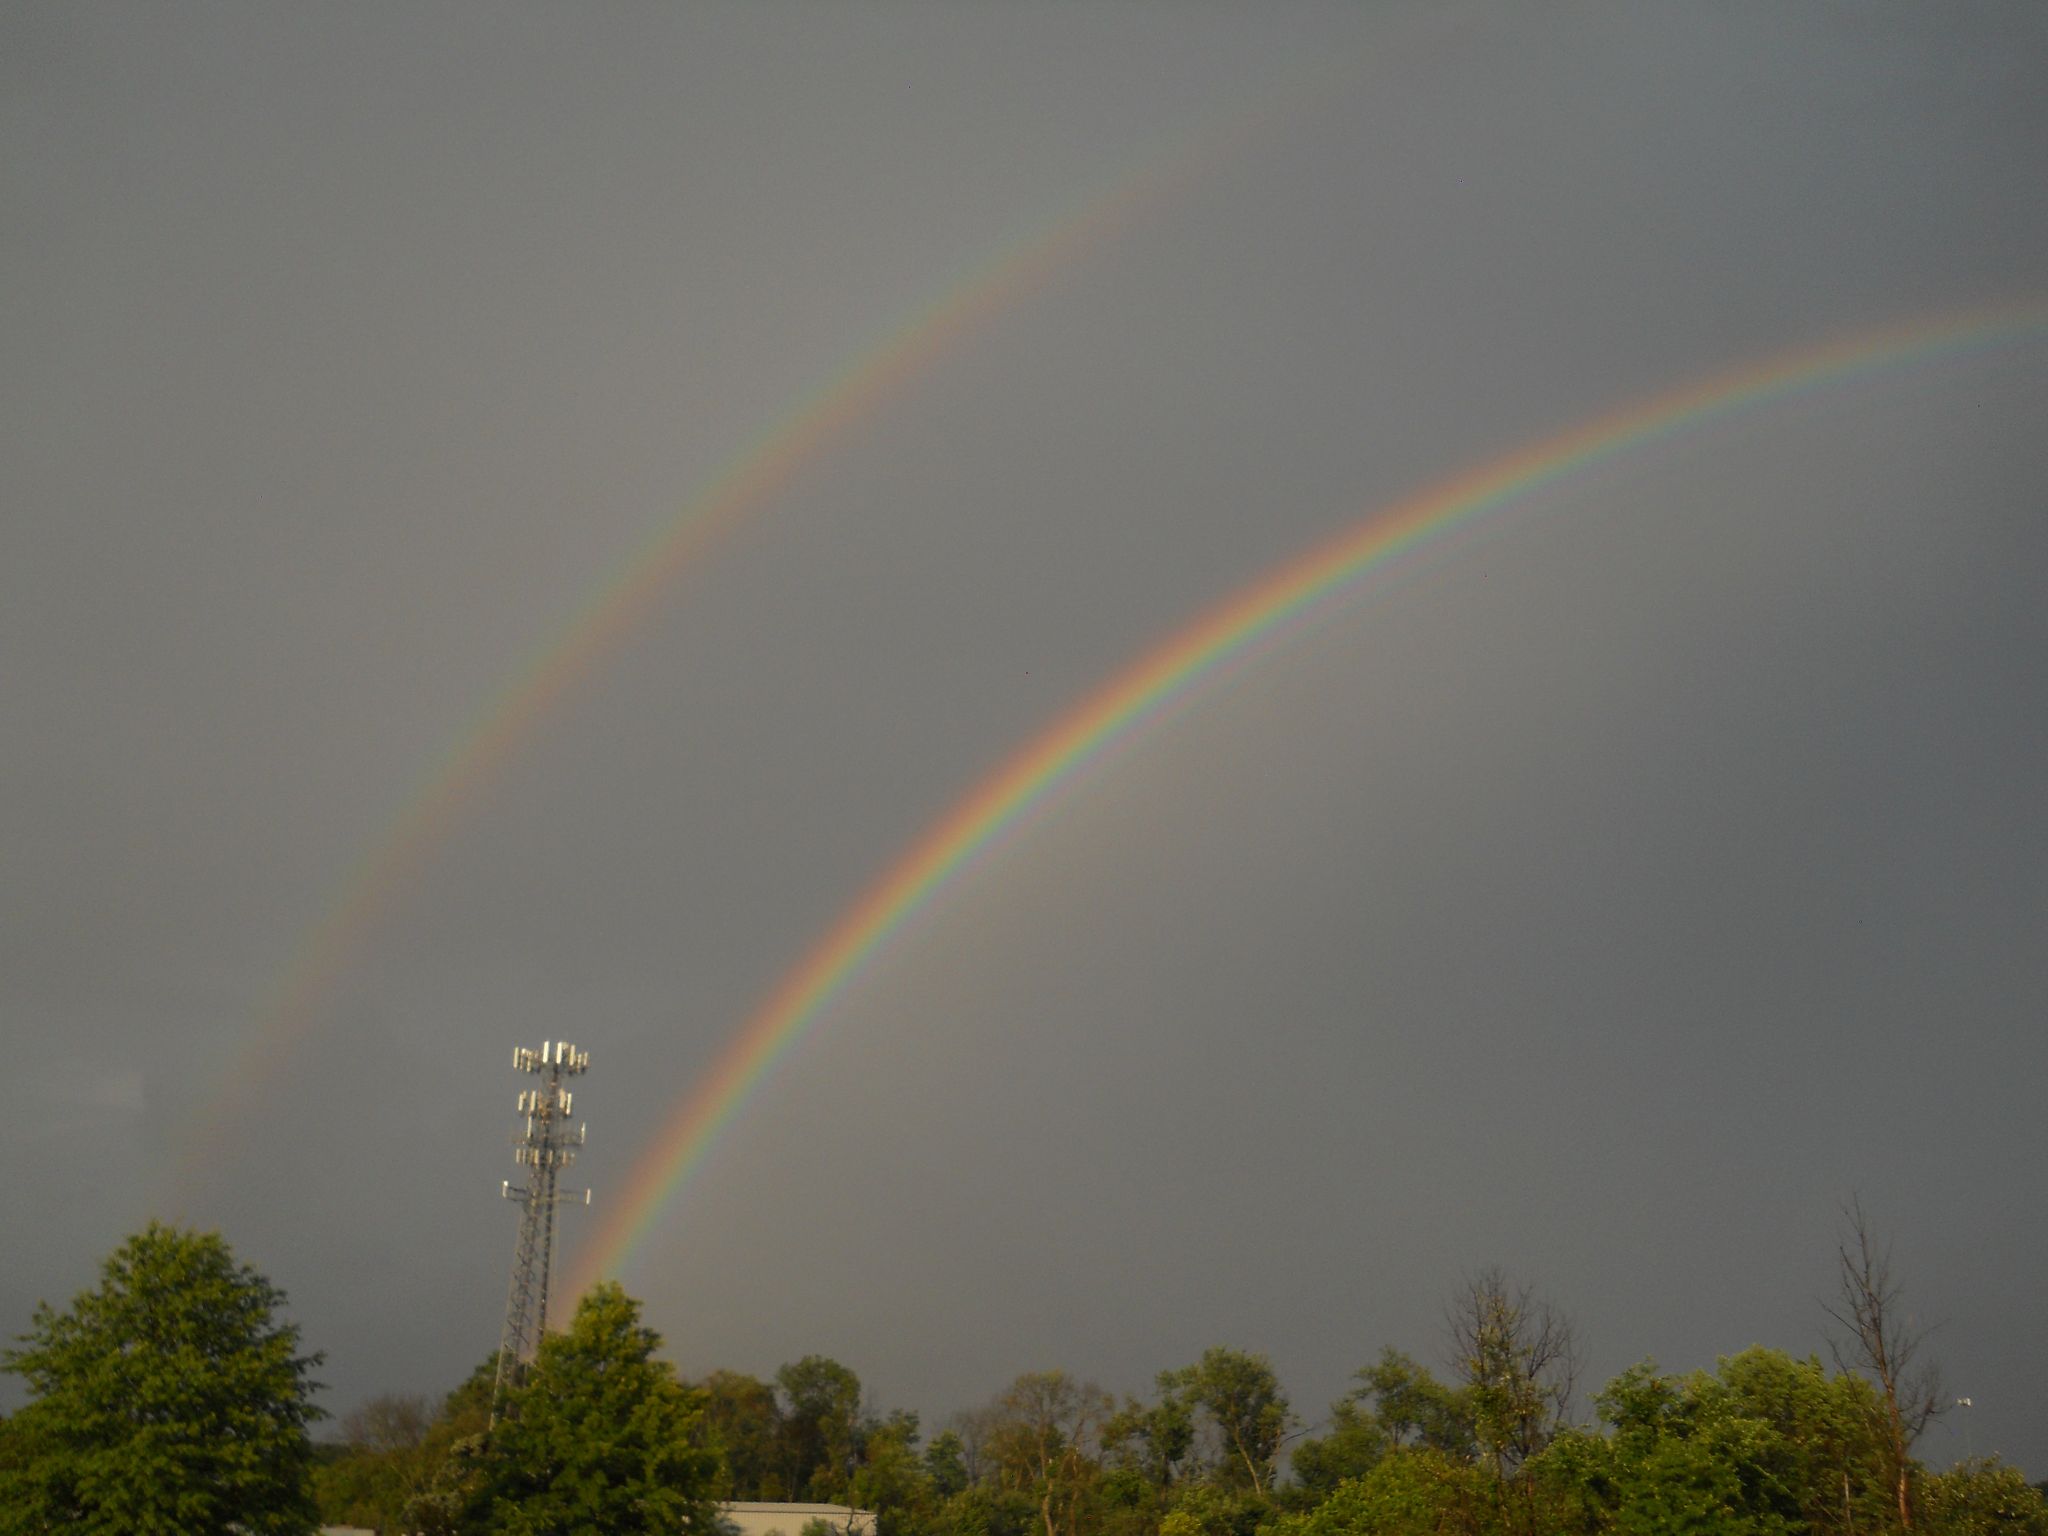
(1606, 899)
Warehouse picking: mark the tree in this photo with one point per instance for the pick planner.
(1042, 1442)
(599, 1437)
(822, 1427)
(1415, 1408)
(1410, 1492)
(890, 1482)
(1518, 1359)
(381, 1465)
(1828, 1424)
(1241, 1398)
(1681, 1457)
(170, 1400)
(451, 1471)
(1984, 1497)
(1878, 1337)
(1396, 1403)
(1153, 1442)
(945, 1464)
(746, 1424)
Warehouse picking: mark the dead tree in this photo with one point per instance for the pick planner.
(1876, 1336)
(1517, 1357)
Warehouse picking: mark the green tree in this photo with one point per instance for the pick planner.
(822, 1427)
(1407, 1493)
(1835, 1465)
(1764, 1446)
(1983, 1497)
(1152, 1441)
(945, 1464)
(1682, 1458)
(169, 1400)
(1042, 1440)
(1240, 1397)
(890, 1481)
(381, 1466)
(1415, 1408)
(1396, 1403)
(746, 1424)
(600, 1439)
(451, 1472)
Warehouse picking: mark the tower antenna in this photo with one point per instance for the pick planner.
(546, 1145)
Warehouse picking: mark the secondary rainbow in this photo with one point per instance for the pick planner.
(746, 485)
(1262, 612)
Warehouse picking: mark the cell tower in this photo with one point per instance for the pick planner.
(544, 1149)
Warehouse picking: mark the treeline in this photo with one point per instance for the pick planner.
(174, 1398)
(1499, 1444)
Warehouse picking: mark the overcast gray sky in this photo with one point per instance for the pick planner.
(1607, 898)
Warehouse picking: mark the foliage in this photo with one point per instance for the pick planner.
(1983, 1497)
(945, 1464)
(1241, 1400)
(1153, 1442)
(1517, 1359)
(1396, 1403)
(1408, 1492)
(600, 1439)
(1042, 1439)
(170, 1399)
(745, 1422)
(381, 1466)
(822, 1429)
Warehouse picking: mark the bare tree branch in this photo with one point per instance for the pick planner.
(1877, 1337)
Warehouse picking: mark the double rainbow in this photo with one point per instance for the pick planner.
(747, 485)
(1263, 612)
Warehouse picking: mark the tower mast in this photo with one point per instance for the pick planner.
(545, 1146)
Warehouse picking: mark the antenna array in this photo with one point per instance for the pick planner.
(544, 1148)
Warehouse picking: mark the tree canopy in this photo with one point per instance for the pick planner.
(600, 1439)
(171, 1399)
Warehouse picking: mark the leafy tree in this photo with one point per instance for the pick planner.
(1415, 1408)
(1154, 1442)
(890, 1481)
(1395, 1403)
(1241, 1399)
(1042, 1442)
(381, 1466)
(1211, 1509)
(745, 1422)
(1764, 1445)
(988, 1509)
(1983, 1497)
(822, 1427)
(1355, 1444)
(170, 1400)
(1835, 1464)
(1409, 1492)
(945, 1464)
(451, 1455)
(600, 1439)
(1681, 1458)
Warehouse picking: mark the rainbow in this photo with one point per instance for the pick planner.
(746, 485)
(1263, 612)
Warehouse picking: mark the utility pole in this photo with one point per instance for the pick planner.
(545, 1147)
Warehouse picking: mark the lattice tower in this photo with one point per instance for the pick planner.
(544, 1148)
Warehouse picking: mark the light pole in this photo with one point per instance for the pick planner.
(1968, 1451)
